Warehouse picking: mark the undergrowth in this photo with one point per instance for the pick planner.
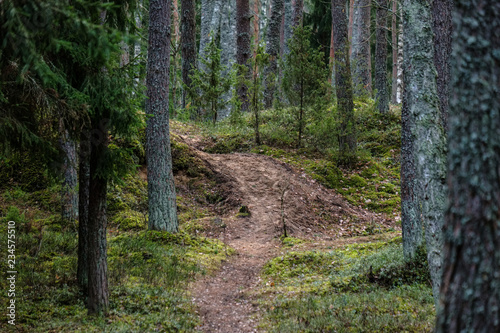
(366, 287)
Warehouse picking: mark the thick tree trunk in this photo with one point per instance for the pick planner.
(161, 188)
(442, 27)
(273, 49)
(98, 301)
(411, 222)
(427, 132)
(470, 291)
(345, 104)
(394, 34)
(207, 7)
(188, 40)
(381, 58)
(228, 48)
(361, 54)
(69, 192)
(83, 210)
(350, 24)
(243, 45)
(288, 25)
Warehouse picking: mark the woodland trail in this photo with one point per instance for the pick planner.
(258, 182)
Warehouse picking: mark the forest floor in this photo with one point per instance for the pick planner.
(274, 192)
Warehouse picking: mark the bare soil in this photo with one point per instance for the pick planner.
(309, 210)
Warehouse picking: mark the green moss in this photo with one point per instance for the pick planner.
(129, 220)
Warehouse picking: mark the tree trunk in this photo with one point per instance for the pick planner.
(161, 188)
(381, 58)
(427, 132)
(273, 49)
(69, 192)
(394, 34)
(256, 26)
(288, 25)
(411, 222)
(98, 301)
(400, 88)
(175, 17)
(298, 12)
(345, 105)
(188, 36)
(351, 22)
(243, 45)
(361, 53)
(228, 48)
(442, 27)
(207, 7)
(470, 291)
(83, 210)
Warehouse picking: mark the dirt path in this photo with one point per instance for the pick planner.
(257, 181)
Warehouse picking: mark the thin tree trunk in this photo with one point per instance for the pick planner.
(345, 104)
(381, 58)
(442, 27)
(83, 211)
(470, 291)
(98, 301)
(256, 26)
(188, 31)
(394, 34)
(161, 188)
(243, 44)
(400, 88)
(273, 49)
(361, 53)
(69, 192)
(427, 132)
(331, 63)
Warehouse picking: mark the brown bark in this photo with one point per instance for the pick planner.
(243, 45)
(298, 12)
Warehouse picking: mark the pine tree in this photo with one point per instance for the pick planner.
(161, 187)
(188, 41)
(427, 133)
(360, 51)
(381, 58)
(343, 82)
(470, 289)
(273, 49)
(243, 44)
(209, 84)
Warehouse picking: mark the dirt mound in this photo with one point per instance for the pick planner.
(272, 191)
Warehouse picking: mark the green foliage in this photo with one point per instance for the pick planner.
(305, 80)
(365, 287)
(209, 84)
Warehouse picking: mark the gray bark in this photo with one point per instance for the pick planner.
(161, 188)
(188, 42)
(207, 7)
(69, 192)
(394, 33)
(470, 291)
(360, 50)
(381, 58)
(411, 221)
(228, 47)
(343, 82)
(427, 132)
(288, 26)
(273, 49)
(83, 210)
(399, 90)
(442, 27)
